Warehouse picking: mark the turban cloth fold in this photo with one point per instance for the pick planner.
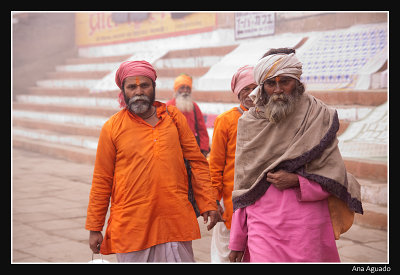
(243, 77)
(182, 79)
(272, 66)
(134, 68)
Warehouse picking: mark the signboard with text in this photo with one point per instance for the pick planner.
(254, 24)
(102, 28)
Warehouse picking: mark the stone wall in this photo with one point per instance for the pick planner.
(40, 41)
(311, 21)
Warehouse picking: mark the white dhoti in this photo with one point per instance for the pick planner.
(220, 242)
(166, 252)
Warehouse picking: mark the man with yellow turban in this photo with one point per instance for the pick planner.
(183, 101)
(140, 169)
(292, 195)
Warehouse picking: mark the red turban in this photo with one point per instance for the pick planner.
(134, 68)
(242, 78)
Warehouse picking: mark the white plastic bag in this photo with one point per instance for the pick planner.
(98, 261)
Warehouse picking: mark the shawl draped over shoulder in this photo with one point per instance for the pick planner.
(304, 143)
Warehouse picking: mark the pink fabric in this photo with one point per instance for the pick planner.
(121, 100)
(243, 77)
(292, 225)
(134, 68)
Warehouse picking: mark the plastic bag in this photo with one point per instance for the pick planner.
(98, 261)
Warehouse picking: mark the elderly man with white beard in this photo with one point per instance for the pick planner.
(292, 196)
(184, 102)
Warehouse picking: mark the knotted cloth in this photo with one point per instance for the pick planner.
(272, 66)
(243, 77)
(134, 68)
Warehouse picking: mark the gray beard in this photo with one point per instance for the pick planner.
(139, 104)
(184, 102)
(276, 110)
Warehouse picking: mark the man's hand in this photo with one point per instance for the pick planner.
(220, 210)
(95, 240)
(235, 256)
(282, 179)
(215, 217)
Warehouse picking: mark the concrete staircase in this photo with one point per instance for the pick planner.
(60, 116)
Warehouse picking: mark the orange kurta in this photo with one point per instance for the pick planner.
(141, 169)
(222, 159)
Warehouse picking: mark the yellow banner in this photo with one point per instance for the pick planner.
(108, 28)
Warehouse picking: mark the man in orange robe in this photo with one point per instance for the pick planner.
(140, 167)
(222, 159)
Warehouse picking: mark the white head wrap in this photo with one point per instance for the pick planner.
(272, 66)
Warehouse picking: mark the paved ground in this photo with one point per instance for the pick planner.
(49, 201)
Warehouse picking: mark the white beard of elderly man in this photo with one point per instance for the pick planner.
(183, 99)
(292, 195)
(282, 94)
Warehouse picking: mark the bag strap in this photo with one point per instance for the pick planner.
(195, 126)
(166, 108)
(189, 172)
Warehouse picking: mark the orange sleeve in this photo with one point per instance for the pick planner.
(200, 171)
(103, 175)
(218, 156)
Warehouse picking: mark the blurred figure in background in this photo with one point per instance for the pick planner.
(183, 101)
(222, 159)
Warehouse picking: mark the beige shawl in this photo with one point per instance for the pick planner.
(305, 143)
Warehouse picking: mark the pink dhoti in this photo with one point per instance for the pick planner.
(292, 225)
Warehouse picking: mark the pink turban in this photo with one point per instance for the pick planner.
(243, 77)
(134, 68)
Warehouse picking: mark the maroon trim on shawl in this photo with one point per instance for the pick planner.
(296, 165)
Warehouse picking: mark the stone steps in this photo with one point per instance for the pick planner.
(58, 128)
(94, 60)
(76, 75)
(375, 216)
(62, 151)
(352, 97)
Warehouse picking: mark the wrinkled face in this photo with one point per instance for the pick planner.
(281, 97)
(184, 90)
(244, 96)
(139, 93)
(279, 85)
